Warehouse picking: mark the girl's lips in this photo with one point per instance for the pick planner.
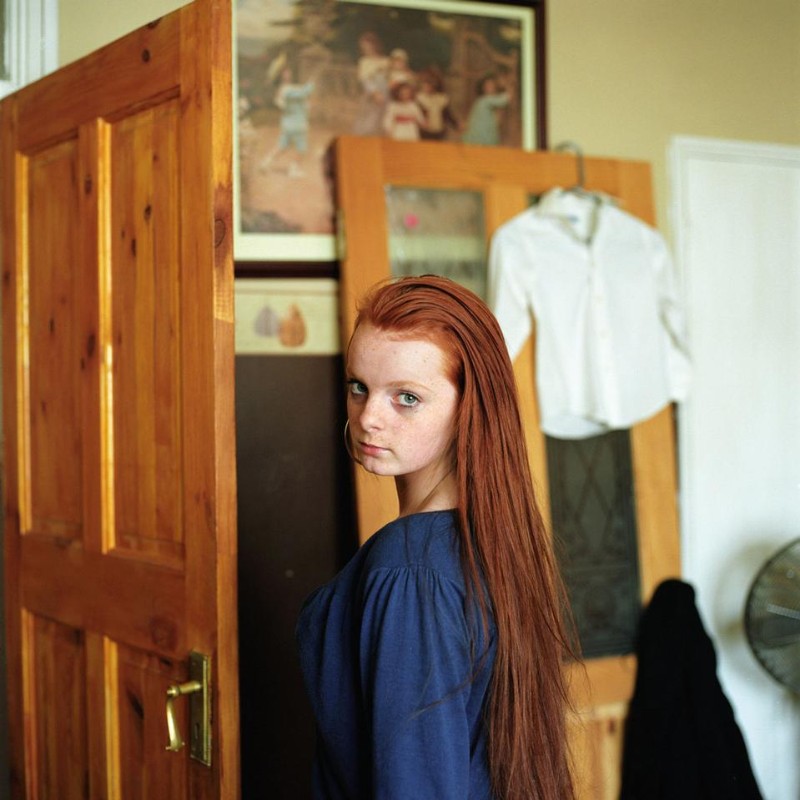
(371, 449)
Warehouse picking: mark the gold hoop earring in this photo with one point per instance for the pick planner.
(347, 444)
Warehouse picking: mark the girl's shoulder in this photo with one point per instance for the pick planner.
(428, 540)
(419, 542)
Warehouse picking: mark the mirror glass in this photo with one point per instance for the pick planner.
(437, 232)
(594, 524)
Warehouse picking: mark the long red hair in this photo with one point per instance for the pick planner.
(504, 543)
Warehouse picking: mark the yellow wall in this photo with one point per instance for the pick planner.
(627, 75)
(624, 75)
(85, 25)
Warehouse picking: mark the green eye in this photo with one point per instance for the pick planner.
(407, 399)
(356, 387)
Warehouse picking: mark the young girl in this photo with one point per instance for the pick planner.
(403, 118)
(292, 100)
(373, 77)
(434, 101)
(399, 68)
(434, 660)
(483, 126)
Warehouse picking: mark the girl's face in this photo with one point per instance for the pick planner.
(489, 86)
(402, 407)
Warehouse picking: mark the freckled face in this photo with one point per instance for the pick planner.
(401, 405)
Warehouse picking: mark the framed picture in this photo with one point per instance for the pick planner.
(307, 71)
(287, 317)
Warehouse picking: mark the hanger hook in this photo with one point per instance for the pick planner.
(573, 147)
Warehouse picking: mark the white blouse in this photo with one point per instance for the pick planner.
(599, 283)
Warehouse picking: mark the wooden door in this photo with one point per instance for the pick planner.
(505, 179)
(118, 414)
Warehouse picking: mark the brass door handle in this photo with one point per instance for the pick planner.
(173, 692)
(198, 687)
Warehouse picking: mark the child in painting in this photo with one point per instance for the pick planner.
(399, 69)
(292, 100)
(483, 125)
(404, 118)
(373, 78)
(433, 100)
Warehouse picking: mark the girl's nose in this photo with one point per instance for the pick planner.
(371, 416)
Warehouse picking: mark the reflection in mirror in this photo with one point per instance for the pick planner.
(438, 232)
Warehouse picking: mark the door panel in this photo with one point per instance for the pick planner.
(507, 179)
(58, 688)
(145, 260)
(141, 680)
(118, 413)
(54, 502)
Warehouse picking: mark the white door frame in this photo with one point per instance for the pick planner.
(736, 222)
(31, 42)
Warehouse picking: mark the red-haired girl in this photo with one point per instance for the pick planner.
(434, 660)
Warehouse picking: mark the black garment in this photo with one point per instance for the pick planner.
(682, 741)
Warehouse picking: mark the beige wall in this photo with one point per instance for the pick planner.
(85, 25)
(624, 75)
(627, 75)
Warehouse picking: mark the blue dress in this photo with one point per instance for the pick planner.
(483, 126)
(397, 670)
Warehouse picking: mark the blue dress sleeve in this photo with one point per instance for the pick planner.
(415, 670)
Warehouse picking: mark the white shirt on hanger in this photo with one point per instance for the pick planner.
(599, 282)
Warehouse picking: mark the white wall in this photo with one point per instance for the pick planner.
(737, 224)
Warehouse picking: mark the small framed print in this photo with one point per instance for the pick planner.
(307, 71)
(287, 317)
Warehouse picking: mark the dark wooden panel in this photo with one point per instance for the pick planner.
(295, 531)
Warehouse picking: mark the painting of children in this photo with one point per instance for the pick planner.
(310, 70)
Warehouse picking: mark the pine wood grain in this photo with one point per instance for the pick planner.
(118, 356)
